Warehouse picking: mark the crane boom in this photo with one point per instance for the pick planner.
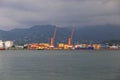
(71, 36)
(52, 38)
(72, 32)
(54, 32)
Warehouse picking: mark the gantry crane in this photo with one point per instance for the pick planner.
(52, 38)
(70, 38)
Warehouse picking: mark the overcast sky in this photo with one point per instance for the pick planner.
(26, 13)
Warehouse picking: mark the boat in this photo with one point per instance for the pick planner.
(89, 48)
(2, 48)
(83, 47)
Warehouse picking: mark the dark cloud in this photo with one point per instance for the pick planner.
(24, 13)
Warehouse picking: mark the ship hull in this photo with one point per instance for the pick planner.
(89, 48)
(2, 48)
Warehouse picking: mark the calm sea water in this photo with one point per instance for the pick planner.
(59, 65)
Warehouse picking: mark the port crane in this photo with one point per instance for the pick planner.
(52, 38)
(70, 38)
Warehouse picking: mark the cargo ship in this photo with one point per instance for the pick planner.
(83, 47)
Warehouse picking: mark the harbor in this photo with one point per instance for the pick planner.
(51, 45)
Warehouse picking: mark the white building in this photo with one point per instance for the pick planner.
(1, 44)
(8, 44)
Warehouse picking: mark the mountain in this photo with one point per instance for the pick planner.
(99, 32)
(42, 33)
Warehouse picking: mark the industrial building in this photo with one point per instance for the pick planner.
(6, 44)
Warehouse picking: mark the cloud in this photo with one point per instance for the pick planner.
(26, 13)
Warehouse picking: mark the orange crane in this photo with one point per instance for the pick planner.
(52, 38)
(71, 36)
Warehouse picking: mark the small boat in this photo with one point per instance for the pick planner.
(2, 48)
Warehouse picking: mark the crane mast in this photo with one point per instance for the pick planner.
(71, 36)
(53, 37)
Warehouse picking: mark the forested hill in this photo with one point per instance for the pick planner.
(42, 33)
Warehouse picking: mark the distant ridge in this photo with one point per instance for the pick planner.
(42, 33)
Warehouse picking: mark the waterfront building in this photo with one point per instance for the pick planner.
(1, 44)
(8, 44)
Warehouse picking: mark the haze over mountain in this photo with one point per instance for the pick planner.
(42, 33)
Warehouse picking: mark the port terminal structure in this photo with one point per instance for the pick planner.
(51, 46)
(60, 46)
(63, 46)
(68, 45)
